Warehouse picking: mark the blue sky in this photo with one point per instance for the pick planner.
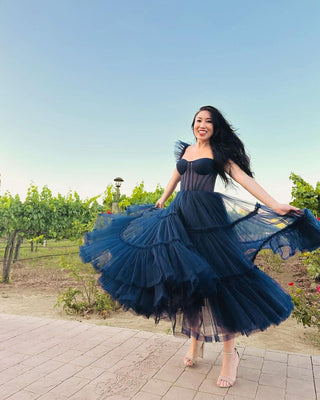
(91, 90)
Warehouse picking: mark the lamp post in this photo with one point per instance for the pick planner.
(115, 205)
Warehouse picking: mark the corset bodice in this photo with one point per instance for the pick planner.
(198, 174)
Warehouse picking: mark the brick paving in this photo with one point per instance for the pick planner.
(44, 359)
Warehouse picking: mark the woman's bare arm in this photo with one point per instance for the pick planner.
(169, 189)
(256, 190)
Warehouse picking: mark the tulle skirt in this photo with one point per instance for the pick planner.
(193, 263)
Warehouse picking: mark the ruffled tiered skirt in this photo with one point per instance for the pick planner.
(194, 262)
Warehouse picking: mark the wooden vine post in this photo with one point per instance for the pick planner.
(8, 255)
(17, 248)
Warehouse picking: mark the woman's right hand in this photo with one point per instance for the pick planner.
(159, 203)
(169, 189)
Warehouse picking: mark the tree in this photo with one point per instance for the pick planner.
(141, 196)
(11, 211)
(305, 195)
(42, 215)
(109, 196)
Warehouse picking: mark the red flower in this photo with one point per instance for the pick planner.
(290, 283)
(109, 212)
(318, 218)
(318, 289)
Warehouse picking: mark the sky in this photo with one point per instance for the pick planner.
(93, 90)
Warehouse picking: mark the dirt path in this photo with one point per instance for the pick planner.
(289, 336)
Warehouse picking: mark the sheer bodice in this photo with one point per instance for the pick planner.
(198, 174)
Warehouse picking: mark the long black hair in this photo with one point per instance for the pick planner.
(225, 144)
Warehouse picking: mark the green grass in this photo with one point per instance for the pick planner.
(273, 260)
(314, 339)
(51, 252)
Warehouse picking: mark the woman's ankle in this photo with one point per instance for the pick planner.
(228, 346)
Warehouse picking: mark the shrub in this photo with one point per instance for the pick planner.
(86, 296)
(273, 260)
(306, 306)
(312, 261)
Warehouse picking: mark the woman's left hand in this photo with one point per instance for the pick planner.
(283, 209)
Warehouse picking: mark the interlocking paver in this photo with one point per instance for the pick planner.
(317, 384)
(156, 386)
(88, 392)
(13, 371)
(68, 355)
(42, 385)
(303, 387)
(190, 379)
(64, 372)
(90, 372)
(299, 373)
(209, 386)
(244, 387)
(146, 396)
(291, 396)
(23, 394)
(42, 359)
(249, 374)
(298, 360)
(34, 361)
(316, 371)
(272, 380)
(278, 356)
(254, 351)
(143, 334)
(122, 385)
(52, 396)
(70, 386)
(179, 393)
(234, 397)
(83, 360)
(275, 367)
(251, 361)
(48, 367)
(315, 360)
(199, 368)
(105, 362)
(26, 379)
(206, 396)
(270, 393)
(170, 374)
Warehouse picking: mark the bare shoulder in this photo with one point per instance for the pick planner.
(189, 149)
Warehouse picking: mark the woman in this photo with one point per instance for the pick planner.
(193, 262)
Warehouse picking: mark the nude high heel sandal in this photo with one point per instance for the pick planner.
(231, 381)
(190, 361)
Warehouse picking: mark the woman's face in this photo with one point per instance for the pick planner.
(203, 126)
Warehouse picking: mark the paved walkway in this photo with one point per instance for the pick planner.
(47, 359)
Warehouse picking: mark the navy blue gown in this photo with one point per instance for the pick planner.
(193, 262)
